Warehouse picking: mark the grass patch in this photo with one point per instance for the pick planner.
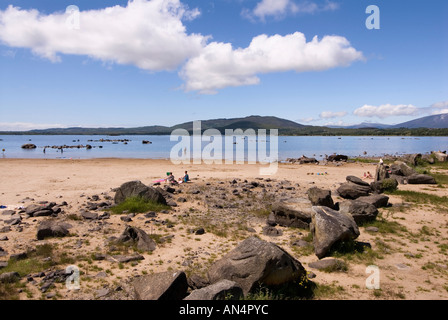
(421, 197)
(138, 205)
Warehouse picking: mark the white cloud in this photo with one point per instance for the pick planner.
(220, 66)
(387, 110)
(439, 107)
(147, 34)
(25, 126)
(330, 114)
(281, 8)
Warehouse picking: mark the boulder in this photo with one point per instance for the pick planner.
(320, 197)
(350, 190)
(89, 215)
(29, 146)
(440, 156)
(138, 237)
(359, 210)
(221, 290)
(381, 172)
(304, 160)
(169, 285)
(328, 265)
(357, 180)
(290, 215)
(421, 179)
(401, 168)
(138, 189)
(254, 262)
(329, 226)
(9, 277)
(40, 210)
(50, 228)
(337, 157)
(378, 200)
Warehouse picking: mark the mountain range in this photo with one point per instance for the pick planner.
(430, 125)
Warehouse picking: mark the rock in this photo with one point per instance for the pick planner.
(320, 197)
(328, 265)
(350, 190)
(8, 212)
(29, 146)
(330, 226)
(421, 179)
(138, 189)
(272, 231)
(9, 277)
(3, 264)
(359, 210)
(195, 281)
(89, 215)
(382, 172)
(169, 285)
(372, 229)
(137, 237)
(304, 160)
(50, 228)
(388, 184)
(401, 168)
(102, 292)
(125, 258)
(378, 200)
(357, 180)
(291, 215)
(440, 156)
(337, 157)
(254, 262)
(221, 290)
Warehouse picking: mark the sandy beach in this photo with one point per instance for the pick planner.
(412, 262)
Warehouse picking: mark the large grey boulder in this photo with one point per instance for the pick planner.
(421, 179)
(254, 262)
(138, 237)
(138, 189)
(440, 156)
(221, 290)
(350, 190)
(320, 197)
(169, 285)
(51, 228)
(291, 215)
(360, 211)
(378, 200)
(329, 226)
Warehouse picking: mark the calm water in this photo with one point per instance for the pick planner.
(161, 146)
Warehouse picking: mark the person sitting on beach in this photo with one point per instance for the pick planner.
(186, 177)
(170, 178)
(369, 175)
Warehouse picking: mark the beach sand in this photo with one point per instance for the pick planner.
(412, 263)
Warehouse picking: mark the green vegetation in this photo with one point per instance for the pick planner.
(421, 198)
(137, 205)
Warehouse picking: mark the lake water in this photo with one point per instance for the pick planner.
(161, 146)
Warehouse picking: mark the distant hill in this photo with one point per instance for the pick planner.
(427, 126)
(438, 121)
(365, 125)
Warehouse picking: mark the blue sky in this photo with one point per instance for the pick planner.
(148, 62)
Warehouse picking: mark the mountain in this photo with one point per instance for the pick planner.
(364, 125)
(438, 121)
(251, 122)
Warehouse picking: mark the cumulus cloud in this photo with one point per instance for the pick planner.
(439, 107)
(387, 110)
(220, 65)
(331, 115)
(146, 34)
(281, 8)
